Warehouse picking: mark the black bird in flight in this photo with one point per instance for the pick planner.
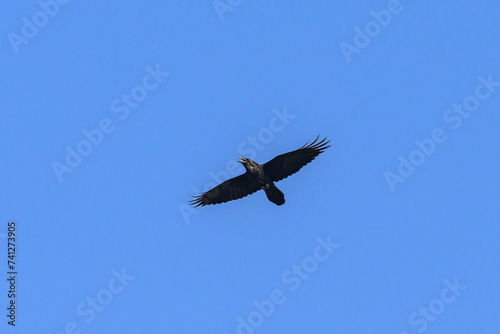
(259, 176)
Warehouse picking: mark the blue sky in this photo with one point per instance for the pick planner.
(113, 115)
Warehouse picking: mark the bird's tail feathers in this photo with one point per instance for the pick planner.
(275, 195)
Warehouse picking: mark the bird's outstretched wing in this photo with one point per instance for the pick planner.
(289, 163)
(235, 188)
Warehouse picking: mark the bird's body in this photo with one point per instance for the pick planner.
(263, 177)
(266, 183)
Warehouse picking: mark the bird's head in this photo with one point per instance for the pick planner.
(247, 163)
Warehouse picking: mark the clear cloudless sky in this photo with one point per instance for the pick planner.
(408, 192)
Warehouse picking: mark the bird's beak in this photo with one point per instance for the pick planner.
(242, 160)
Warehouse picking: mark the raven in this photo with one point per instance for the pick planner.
(259, 176)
